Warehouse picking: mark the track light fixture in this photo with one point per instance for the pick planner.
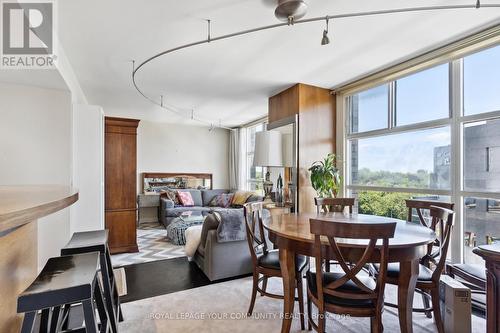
(290, 12)
(325, 40)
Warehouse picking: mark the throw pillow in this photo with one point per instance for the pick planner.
(213, 201)
(224, 200)
(240, 198)
(170, 195)
(185, 198)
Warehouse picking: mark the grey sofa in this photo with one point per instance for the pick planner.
(221, 260)
(201, 198)
(216, 260)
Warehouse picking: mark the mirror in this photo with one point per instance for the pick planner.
(288, 129)
(155, 182)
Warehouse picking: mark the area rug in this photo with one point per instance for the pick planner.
(153, 245)
(221, 308)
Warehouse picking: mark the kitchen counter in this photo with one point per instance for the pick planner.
(20, 209)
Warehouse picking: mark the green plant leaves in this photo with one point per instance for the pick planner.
(325, 177)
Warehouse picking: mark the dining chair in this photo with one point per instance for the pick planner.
(333, 204)
(422, 208)
(347, 292)
(266, 261)
(431, 265)
(472, 276)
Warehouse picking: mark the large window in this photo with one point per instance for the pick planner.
(254, 174)
(423, 96)
(481, 75)
(482, 155)
(481, 225)
(434, 134)
(369, 109)
(419, 159)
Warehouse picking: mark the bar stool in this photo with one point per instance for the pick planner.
(97, 241)
(62, 282)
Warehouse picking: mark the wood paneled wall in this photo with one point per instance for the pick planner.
(317, 135)
(121, 183)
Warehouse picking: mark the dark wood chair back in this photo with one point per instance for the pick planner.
(443, 219)
(333, 204)
(372, 232)
(255, 229)
(434, 222)
(421, 205)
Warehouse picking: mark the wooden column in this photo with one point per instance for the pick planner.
(121, 183)
(491, 255)
(316, 127)
(20, 208)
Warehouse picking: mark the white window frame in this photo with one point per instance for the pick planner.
(247, 181)
(455, 122)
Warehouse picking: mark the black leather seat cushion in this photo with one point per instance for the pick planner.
(86, 241)
(349, 287)
(478, 271)
(63, 280)
(272, 260)
(424, 273)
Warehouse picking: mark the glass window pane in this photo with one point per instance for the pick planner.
(390, 204)
(370, 109)
(482, 156)
(481, 225)
(423, 96)
(419, 159)
(482, 81)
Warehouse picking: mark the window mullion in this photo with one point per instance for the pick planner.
(456, 107)
(392, 105)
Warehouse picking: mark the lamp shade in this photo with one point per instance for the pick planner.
(268, 149)
(287, 150)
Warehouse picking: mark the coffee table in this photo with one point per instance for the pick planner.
(176, 231)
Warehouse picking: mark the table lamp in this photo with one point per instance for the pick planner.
(268, 153)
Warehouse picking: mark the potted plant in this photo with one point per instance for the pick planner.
(325, 177)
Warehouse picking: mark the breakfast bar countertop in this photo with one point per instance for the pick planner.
(21, 204)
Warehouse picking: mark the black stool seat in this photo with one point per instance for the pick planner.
(63, 280)
(86, 241)
(97, 241)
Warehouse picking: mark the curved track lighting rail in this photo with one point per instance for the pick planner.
(184, 112)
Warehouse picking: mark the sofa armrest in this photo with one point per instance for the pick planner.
(210, 223)
(223, 260)
(166, 203)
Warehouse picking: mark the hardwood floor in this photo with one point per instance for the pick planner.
(164, 277)
(143, 281)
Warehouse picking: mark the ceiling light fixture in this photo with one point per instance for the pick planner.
(325, 40)
(291, 12)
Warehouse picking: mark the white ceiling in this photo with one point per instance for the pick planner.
(231, 80)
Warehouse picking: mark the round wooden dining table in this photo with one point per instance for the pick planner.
(290, 233)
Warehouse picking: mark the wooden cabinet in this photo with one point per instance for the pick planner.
(120, 170)
(315, 108)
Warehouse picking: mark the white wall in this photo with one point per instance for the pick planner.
(35, 148)
(88, 168)
(163, 147)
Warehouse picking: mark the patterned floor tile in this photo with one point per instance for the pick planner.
(153, 245)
